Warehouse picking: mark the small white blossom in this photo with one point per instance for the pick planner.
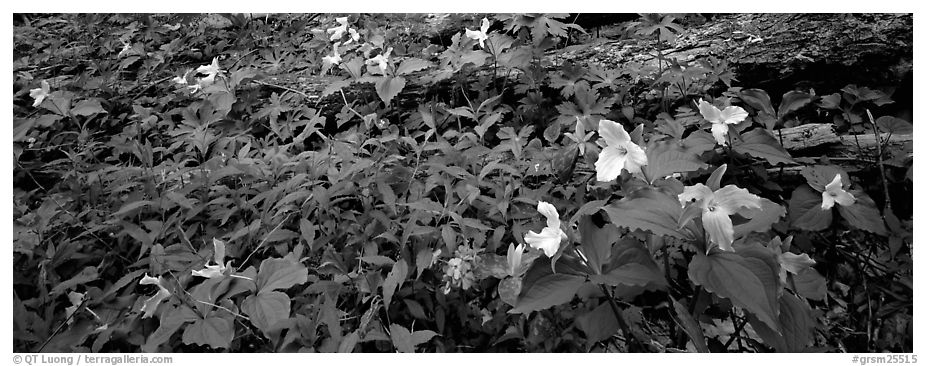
(835, 194)
(550, 237)
(720, 119)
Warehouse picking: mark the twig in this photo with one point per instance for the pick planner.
(61, 326)
(304, 95)
(262, 242)
(887, 195)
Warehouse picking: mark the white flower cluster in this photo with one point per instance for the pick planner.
(458, 272)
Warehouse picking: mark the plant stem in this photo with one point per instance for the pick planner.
(887, 195)
(628, 335)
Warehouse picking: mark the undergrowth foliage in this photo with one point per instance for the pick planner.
(172, 194)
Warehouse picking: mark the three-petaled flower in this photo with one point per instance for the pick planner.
(717, 207)
(333, 59)
(210, 71)
(218, 269)
(580, 136)
(381, 60)
(39, 94)
(480, 35)
(338, 32)
(619, 152)
(549, 238)
(720, 119)
(152, 303)
(835, 194)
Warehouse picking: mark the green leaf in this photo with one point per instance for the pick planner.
(758, 99)
(280, 273)
(760, 219)
(388, 87)
(762, 144)
(411, 65)
(550, 290)
(334, 86)
(87, 107)
(630, 265)
(793, 101)
(87, 274)
(171, 321)
(405, 341)
(349, 342)
(699, 142)
(597, 241)
(796, 326)
(665, 158)
(810, 284)
(508, 290)
(818, 176)
(863, 214)
(893, 125)
(649, 210)
(308, 233)
(806, 210)
(212, 331)
(394, 281)
(266, 309)
(731, 276)
(598, 324)
(690, 326)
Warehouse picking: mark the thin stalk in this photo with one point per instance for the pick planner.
(887, 195)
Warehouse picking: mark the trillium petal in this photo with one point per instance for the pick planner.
(151, 304)
(211, 271)
(485, 25)
(612, 132)
(719, 228)
(514, 258)
(709, 112)
(549, 211)
(719, 130)
(731, 198)
(834, 193)
(733, 115)
(697, 192)
(219, 249)
(609, 164)
(828, 201)
(844, 198)
(547, 240)
(795, 263)
(636, 158)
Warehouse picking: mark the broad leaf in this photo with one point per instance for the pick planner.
(87, 108)
(598, 324)
(699, 142)
(893, 125)
(690, 326)
(731, 276)
(171, 321)
(760, 219)
(405, 341)
(796, 326)
(394, 281)
(793, 101)
(810, 284)
(762, 144)
(212, 331)
(666, 158)
(757, 99)
(280, 273)
(266, 309)
(818, 176)
(551, 290)
(806, 209)
(648, 210)
(509, 289)
(863, 214)
(630, 265)
(388, 87)
(411, 65)
(597, 241)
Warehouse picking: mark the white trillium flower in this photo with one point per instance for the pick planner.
(218, 269)
(480, 35)
(333, 59)
(210, 70)
(152, 303)
(835, 194)
(381, 60)
(716, 208)
(550, 237)
(789, 262)
(338, 32)
(39, 94)
(720, 119)
(619, 152)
